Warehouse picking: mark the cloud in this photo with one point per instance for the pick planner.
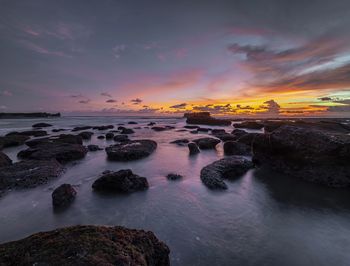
(325, 99)
(106, 94)
(118, 50)
(111, 101)
(271, 107)
(84, 101)
(42, 50)
(179, 106)
(76, 96)
(6, 93)
(136, 101)
(3, 107)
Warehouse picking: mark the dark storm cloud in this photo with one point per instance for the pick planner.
(179, 106)
(136, 101)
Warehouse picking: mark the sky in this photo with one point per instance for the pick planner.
(159, 57)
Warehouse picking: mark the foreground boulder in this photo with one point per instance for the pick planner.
(87, 245)
(86, 135)
(193, 148)
(306, 153)
(124, 181)
(204, 118)
(62, 152)
(12, 140)
(236, 148)
(27, 174)
(206, 143)
(121, 138)
(249, 125)
(131, 150)
(93, 147)
(63, 196)
(4, 160)
(231, 167)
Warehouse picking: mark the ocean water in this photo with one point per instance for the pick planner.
(262, 219)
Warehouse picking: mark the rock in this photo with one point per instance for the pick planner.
(225, 136)
(12, 140)
(231, 167)
(194, 132)
(203, 129)
(27, 174)
(109, 135)
(191, 127)
(158, 128)
(310, 154)
(86, 135)
(121, 138)
(173, 176)
(101, 137)
(59, 130)
(34, 133)
(193, 148)
(87, 245)
(103, 127)
(151, 124)
(248, 138)
(63, 195)
(206, 143)
(249, 125)
(62, 152)
(122, 181)
(239, 132)
(204, 118)
(132, 123)
(131, 150)
(41, 125)
(236, 148)
(4, 160)
(94, 148)
(63, 138)
(180, 142)
(218, 131)
(127, 131)
(81, 128)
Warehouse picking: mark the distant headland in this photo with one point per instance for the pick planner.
(28, 115)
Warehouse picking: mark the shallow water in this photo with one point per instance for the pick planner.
(262, 219)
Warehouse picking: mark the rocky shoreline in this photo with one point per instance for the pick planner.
(315, 151)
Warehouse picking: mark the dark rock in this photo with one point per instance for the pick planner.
(121, 138)
(249, 125)
(109, 135)
(34, 133)
(131, 150)
(12, 140)
(122, 181)
(59, 130)
(218, 131)
(206, 143)
(4, 160)
(203, 129)
(127, 131)
(132, 123)
(103, 127)
(170, 127)
(180, 141)
(194, 132)
(193, 148)
(87, 245)
(101, 137)
(191, 127)
(81, 128)
(38, 125)
(181, 130)
(225, 136)
(173, 176)
(248, 138)
(231, 167)
(94, 148)
(63, 195)
(236, 148)
(120, 124)
(62, 152)
(311, 154)
(86, 135)
(204, 118)
(26, 174)
(239, 132)
(158, 128)
(151, 124)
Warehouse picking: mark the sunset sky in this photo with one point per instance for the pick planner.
(236, 57)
